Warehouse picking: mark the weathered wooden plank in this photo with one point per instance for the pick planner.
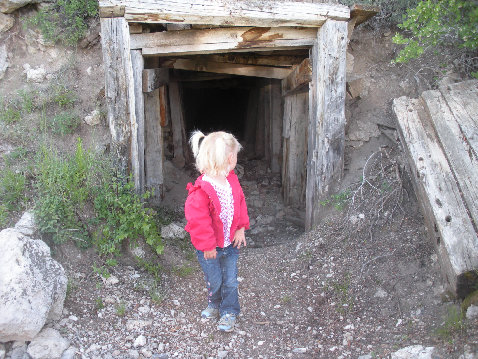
(154, 153)
(135, 28)
(163, 100)
(251, 121)
(294, 166)
(445, 214)
(299, 78)
(363, 12)
(177, 124)
(326, 140)
(222, 38)
(154, 78)
(260, 126)
(463, 101)
(232, 69)
(223, 12)
(464, 163)
(137, 128)
(267, 121)
(276, 127)
(119, 86)
(111, 11)
(257, 59)
(202, 49)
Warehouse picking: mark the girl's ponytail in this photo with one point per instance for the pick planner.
(195, 140)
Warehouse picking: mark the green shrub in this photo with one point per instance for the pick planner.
(65, 20)
(3, 215)
(64, 123)
(63, 96)
(70, 187)
(12, 188)
(435, 23)
(122, 215)
(10, 114)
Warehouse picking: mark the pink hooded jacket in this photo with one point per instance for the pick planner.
(202, 211)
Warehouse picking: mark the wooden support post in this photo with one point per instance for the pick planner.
(326, 142)
(119, 86)
(154, 152)
(299, 79)
(267, 121)
(137, 129)
(276, 127)
(177, 125)
(260, 126)
(251, 119)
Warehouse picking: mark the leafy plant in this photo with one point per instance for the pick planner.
(338, 200)
(10, 114)
(183, 271)
(122, 216)
(63, 96)
(121, 309)
(3, 215)
(435, 23)
(27, 100)
(64, 123)
(102, 271)
(12, 187)
(99, 303)
(65, 20)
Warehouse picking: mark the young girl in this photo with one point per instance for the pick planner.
(216, 215)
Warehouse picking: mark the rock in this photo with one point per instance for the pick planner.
(133, 354)
(172, 231)
(49, 344)
(32, 286)
(6, 22)
(350, 64)
(380, 293)
(34, 75)
(468, 353)
(18, 351)
(3, 60)
(26, 224)
(366, 356)
(94, 118)
(138, 324)
(9, 6)
(472, 312)
(357, 88)
(140, 341)
(414, 352)
(2, 351)
(222, 354)
(69, 353)
(299, 350)
(363, 131)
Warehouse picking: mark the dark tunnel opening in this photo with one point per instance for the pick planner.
(215, 109)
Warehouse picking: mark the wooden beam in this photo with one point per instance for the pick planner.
(362, 12)
(276, 127)
(300, 77)
(119, 86)
(110, 11)
(154, 151)
(256, 59)
(137, 128)
(233, 69)
(154, 78)
(177, 125)
(224, 12)
(326, 116)
(446, 217)
(190, 42)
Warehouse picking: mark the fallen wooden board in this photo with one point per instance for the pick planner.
(223, 12)
(463, 160)
(445, 214)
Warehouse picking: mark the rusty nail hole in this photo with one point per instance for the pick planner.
(448, 218)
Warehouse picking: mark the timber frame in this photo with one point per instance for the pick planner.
(211, 36)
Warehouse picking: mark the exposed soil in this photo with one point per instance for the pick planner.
(365, 282)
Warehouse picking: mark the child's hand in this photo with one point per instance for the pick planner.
(239, 238)
(210, 254)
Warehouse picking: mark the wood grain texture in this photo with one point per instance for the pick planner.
(119, 86)
(326, 140)
(222, 12)
(445, 214)
(137, 128)
(154, 79)
(154, 151)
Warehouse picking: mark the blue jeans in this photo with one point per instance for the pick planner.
(221, 279)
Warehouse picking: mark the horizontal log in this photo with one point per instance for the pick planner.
(224, 12)
(363, 13)
(256, 59)
(110, 11)
(299, 78)
(233, 69)
(154, 78)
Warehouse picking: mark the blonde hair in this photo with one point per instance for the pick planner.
(212, 151)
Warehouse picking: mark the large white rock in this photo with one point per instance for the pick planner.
(6, 22)
(414, 352)
(32, 285)
(34, 75)
(8, 6)
(49, 344)
(172, 231)
(3, 60)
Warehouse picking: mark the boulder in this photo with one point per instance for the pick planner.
(3, 60)
(32, 284)
(9, 6)
(6, 22)
(172, 231)
(49, 344)
(414, 352)
(34, 75)
(94, 118)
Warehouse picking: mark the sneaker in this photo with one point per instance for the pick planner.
(210, 312)
(226, 323)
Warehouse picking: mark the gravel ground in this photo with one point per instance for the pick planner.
(360, 284)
